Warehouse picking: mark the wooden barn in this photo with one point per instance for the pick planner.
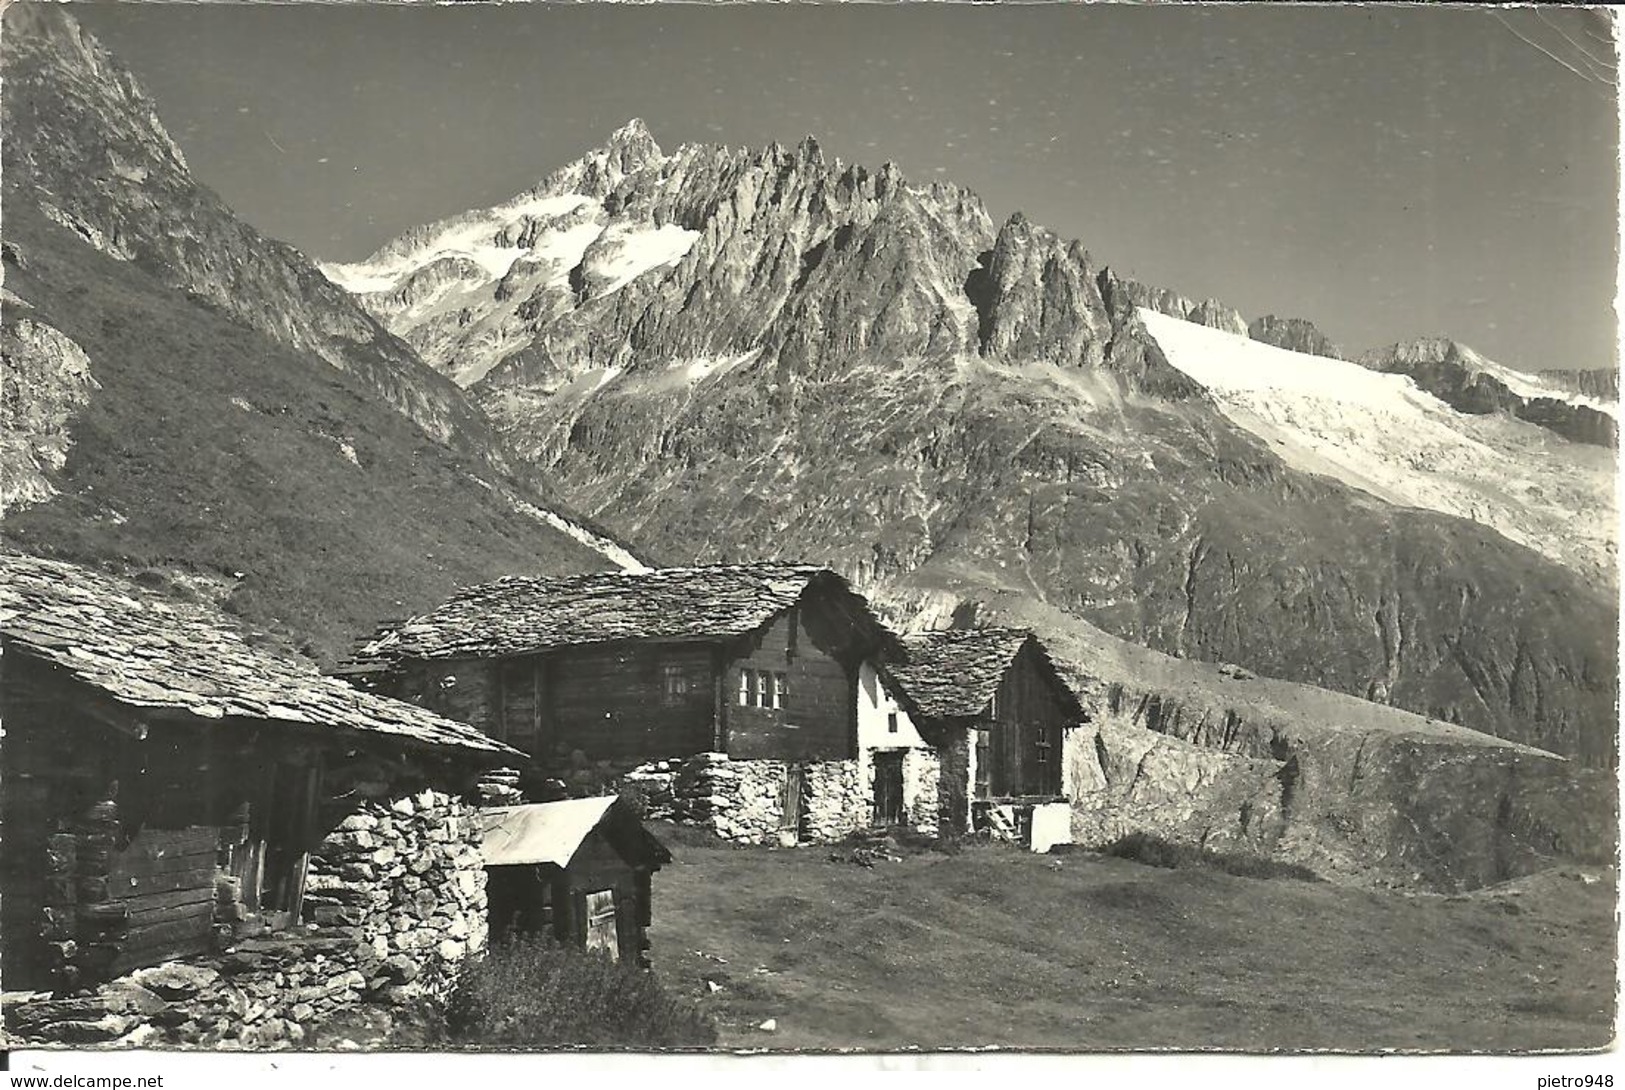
(997, 710)
(756, 662)
(579, 870)
(163, 777)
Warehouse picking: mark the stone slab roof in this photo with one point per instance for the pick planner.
(525, 614)
(154, 653)
(956, 673)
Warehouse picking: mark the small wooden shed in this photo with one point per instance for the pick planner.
(579, 870)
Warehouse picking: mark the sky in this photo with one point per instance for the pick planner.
(1384, 171)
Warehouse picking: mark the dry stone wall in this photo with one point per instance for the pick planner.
(394, 901)
(743, 801)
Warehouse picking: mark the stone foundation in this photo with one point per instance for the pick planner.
(743, 801)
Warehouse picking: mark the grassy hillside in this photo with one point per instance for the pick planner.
(993, 946)
(215, 458)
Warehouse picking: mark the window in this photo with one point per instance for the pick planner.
(984, 768)
(763, 689)
(673, 683)
(891, 722)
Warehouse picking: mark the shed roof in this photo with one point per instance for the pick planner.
(549, 832)
(527, 614)
(154, 653)
(956, 673)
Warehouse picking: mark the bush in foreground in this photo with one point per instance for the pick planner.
(1154, 851)
(531, 992)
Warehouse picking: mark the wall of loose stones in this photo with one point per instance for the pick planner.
(743, 801)
(394, 901)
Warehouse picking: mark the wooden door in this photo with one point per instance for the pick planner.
(888, 788)
(602, 934)
(790, 813)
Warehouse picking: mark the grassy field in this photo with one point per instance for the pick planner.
(995, 947)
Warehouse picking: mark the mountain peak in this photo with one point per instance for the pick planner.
(634, 144)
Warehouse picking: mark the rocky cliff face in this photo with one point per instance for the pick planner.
(44, 378)
(1293, 334)
(1472, 384)
(850, 368)
(84, 144)
(1601, 383)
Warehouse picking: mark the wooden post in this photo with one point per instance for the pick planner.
(719, 701)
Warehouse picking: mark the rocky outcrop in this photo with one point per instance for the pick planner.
(1294, 335)
(1469, 383)
(44, 378)
(1414, 810)
(1037, 299)
(1601, 383)
(1125, 293)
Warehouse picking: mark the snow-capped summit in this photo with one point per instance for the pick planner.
(557, 237)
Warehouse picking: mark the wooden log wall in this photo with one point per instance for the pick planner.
(1028, 731)
(628, 702)
(819, 721)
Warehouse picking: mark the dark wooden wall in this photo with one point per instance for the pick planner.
(612, 702)
(461, 689)
(109, 840)
(1030, 711)
(515, 895)
(819, 722)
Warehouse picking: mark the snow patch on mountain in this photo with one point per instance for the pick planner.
(479, 238)
(1382, 434)
(625, 251)
(600, 544)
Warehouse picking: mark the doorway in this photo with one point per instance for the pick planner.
(888, 788)
(795, 790)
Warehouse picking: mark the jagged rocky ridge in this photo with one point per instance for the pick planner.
(849, 368)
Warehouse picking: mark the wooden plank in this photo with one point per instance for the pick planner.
(125, 867)
(161, 914)
(168, 932)
(162, 900)
(143, 884)
(156, 952)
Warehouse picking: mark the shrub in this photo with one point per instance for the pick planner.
(1154, 851)
(530, 992)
